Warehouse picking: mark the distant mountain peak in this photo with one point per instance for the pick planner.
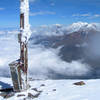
(83, 26)
(59, 29)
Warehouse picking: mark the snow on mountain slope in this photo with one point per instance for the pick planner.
(76, 26)
(57, 29)
(83, 26)
(59, 90)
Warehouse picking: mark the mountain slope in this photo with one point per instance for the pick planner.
(79, 41)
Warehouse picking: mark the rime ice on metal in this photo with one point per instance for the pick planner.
(24, 12)
(19, 67)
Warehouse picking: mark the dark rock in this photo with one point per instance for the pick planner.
(42, 85)
(7, 95)
(79, 83)
(7, 90)
(35, 89)
(54, 90)
(20, 95)
(30, 96)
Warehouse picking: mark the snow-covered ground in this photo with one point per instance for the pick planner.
(59, 90)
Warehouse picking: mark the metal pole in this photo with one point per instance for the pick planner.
(19, 68)
(23, 43)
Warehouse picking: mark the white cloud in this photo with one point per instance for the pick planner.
(97, 15)
(2, 8)
(43, 62)
(32, 0)
(87, 15)
(52, 4)
(81, 15)
(63, 16)
(42, 13)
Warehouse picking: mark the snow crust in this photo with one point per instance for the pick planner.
(60, 90)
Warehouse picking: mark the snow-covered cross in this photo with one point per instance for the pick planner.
(19, 67)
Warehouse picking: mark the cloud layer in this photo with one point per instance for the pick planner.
(87, 15)
(32, 0)
(2, 8)
(43, 62)
(42, 13)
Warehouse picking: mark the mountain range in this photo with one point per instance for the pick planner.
(77, 42)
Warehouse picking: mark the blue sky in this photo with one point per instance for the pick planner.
(46, 12)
